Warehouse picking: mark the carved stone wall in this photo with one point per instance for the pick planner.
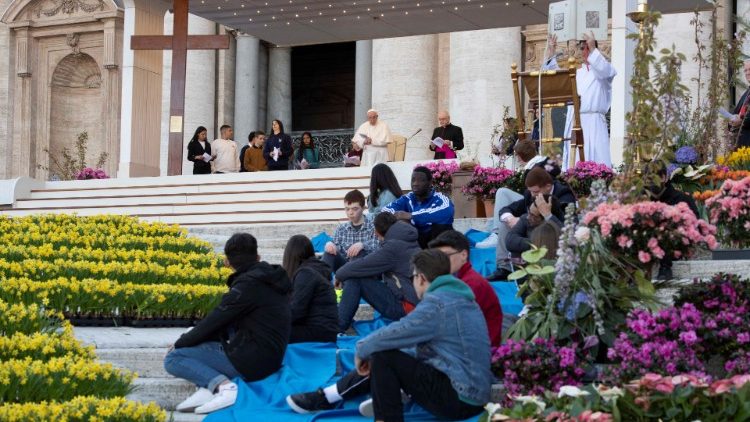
(66, 57)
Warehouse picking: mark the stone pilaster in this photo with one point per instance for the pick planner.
(405, 88)
(246, 87)
(280, 86)
(363, 80)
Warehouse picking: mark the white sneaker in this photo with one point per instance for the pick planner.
(490, 242)
(199, 398)
(366, 409)
(226, 397)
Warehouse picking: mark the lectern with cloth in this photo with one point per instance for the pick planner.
(558, 89)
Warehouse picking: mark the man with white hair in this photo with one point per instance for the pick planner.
(373, 136)
(452, 136)
(740, 121)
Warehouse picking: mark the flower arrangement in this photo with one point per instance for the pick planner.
(651, 397)
(90, 173)
(686, 155)
(516, 182)
(729, 209)
(580, 177)
(485, 181)
(442, 174)
(529, 368)
(649, 231)
(737, 160)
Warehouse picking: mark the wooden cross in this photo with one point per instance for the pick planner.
(179, 43)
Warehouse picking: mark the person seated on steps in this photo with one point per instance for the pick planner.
(315, 316)
(547, 235)
(245, 336)
(448, 371)
(538, 182)
(353, 239)
(382, 277)
(544, 209)
(456, 246)
(429, 211)
(662, 190)
(525, 154)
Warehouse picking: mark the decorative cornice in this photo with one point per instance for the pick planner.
(70, 6)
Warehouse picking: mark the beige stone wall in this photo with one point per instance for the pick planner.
(6, 65)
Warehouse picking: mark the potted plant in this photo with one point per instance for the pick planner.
(442, 174)
(729, 209)
(484, 183)
(580, 177)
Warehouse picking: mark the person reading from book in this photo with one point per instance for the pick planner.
(446, 138)
(429, 211)
(245, 336)
(278, 148)
(373, 136)
(308, 155)
(353, 158)
(447, 371)
(315, 316)
(199, 151)
(739, 120)
(353, 239)
(594, 83)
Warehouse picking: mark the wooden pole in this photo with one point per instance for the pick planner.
(177, 93)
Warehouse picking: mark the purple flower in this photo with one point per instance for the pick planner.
(686, 155)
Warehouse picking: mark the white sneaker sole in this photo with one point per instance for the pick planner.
(294, 406)
(366, 409)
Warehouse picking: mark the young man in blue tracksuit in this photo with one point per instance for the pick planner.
(449, 375)
(429, 211)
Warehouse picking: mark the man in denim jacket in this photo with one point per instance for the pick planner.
(449, 375)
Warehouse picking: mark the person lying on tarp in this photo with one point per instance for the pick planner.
(449, 375)
(245, 336)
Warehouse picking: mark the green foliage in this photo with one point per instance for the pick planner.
(69, 163)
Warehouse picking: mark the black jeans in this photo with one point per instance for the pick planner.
(435, 230)
(392, 371)
(311, 333)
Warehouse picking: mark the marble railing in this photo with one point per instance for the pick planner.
(333, 145)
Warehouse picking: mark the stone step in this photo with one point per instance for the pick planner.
(166, 392)
(184, 417)
(707, 268)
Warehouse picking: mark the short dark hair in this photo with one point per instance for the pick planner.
(241, 249)
(224, 127)
(424, 170)
(525, 149)
(355, 197)
(432, 263)
(383, 222)
(538, 177)
(251, 136)
(451, 239)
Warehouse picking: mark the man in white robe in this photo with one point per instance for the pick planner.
(373, 136)
(594, 83)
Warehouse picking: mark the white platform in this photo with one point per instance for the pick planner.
(301, 196)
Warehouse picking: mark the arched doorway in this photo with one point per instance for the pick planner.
(76, 105)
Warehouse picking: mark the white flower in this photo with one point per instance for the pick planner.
(492, 408)
(571, 391)
(540, 404)
(609, 393)
(582, 234)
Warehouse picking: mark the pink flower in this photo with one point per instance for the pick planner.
(644, 257)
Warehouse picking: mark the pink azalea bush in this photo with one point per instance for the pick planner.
(729, 209)
(649, 231)
(580, 177)
(90, 173)
(529, 368)
(442, 174)
(486, 181)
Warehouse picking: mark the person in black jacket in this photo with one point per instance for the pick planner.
(448, 132)
(244, 336)
(315, 316)
(538, 182)
(518, 240)
(383, 277)
(197, 147)
(666, 193)
(282, 144)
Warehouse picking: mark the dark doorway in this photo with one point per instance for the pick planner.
(323, 86)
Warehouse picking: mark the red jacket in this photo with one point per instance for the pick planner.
(487, 301)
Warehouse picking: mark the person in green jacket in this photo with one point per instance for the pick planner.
(308, 152)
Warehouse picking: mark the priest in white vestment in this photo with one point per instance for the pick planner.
(594, 83)
(373, 136)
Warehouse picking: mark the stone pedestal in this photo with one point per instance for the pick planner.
(464, 206)
(246, 86)
(280, 87)
(363, 80)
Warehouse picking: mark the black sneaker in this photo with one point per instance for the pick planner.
(665, 273)
(314, 401)
(500, 275)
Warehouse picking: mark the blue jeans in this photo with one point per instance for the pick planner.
(375, 292)
(335, 261)
(205, 365)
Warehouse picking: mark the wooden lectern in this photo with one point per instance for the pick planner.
(558, 89)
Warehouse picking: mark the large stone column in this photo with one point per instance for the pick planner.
(141, 96)
(480, 84)
(263, 120)
(405, 88)
(363, 80)
(622, 60)
(246, 87)
(280, 86)
(200, 90)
